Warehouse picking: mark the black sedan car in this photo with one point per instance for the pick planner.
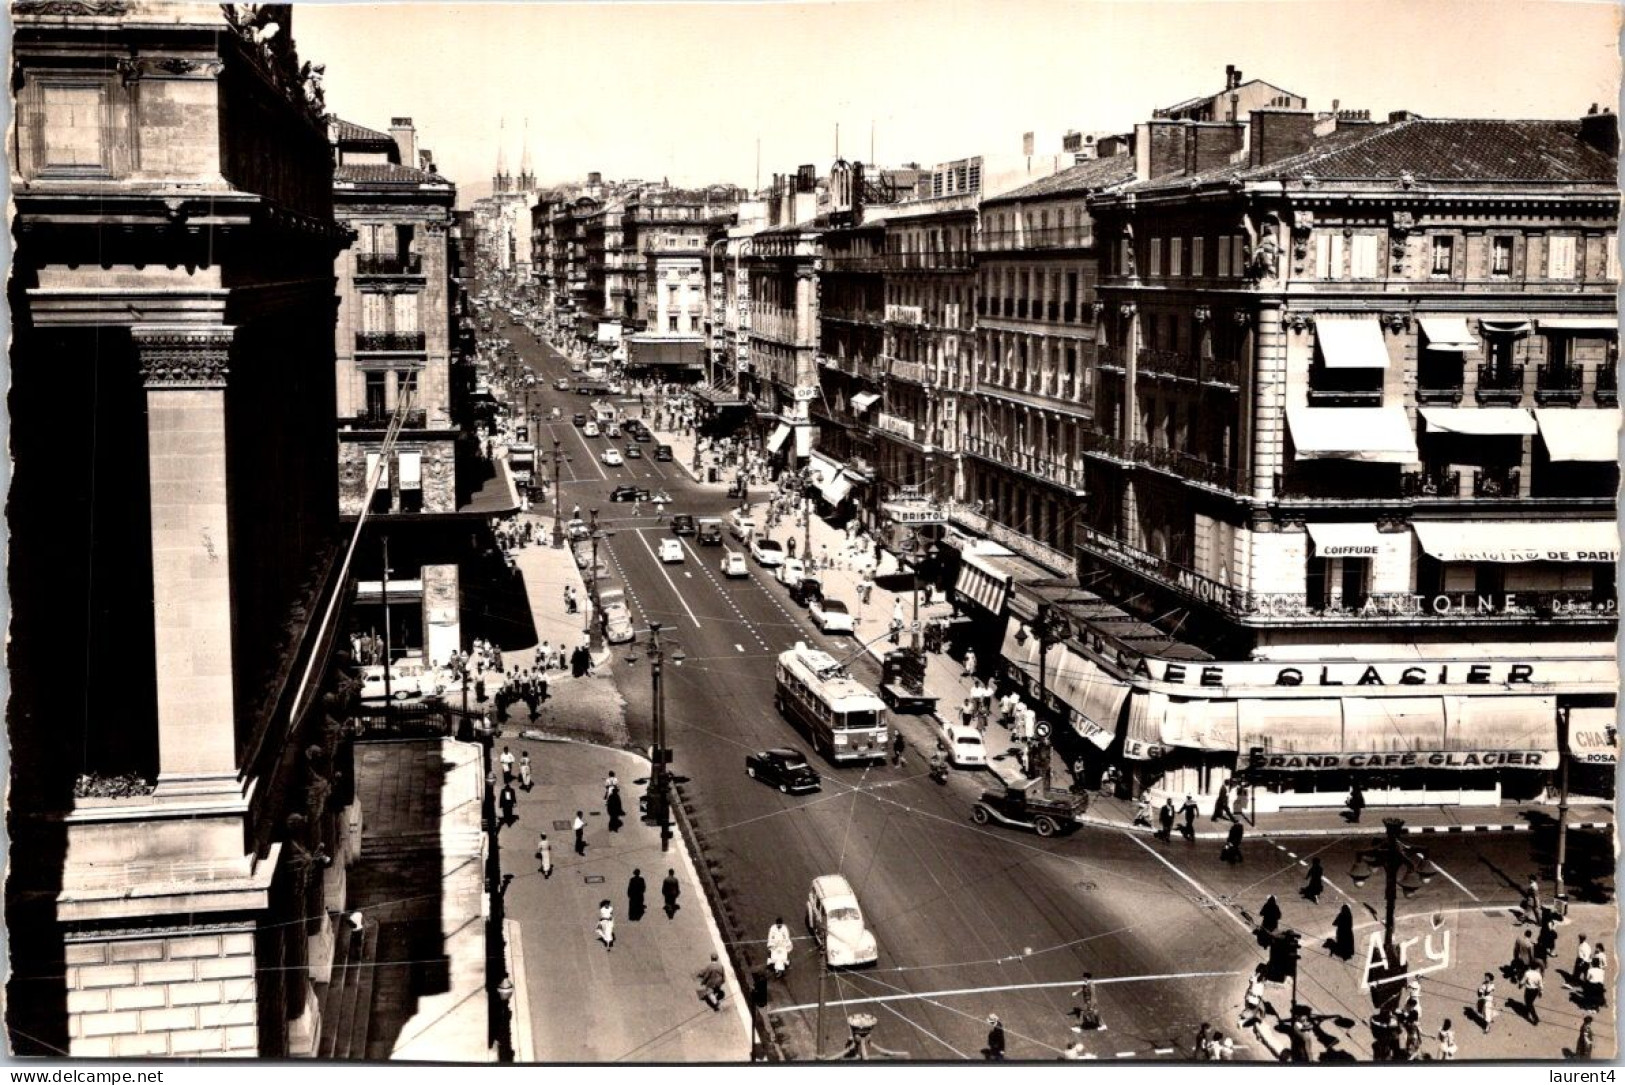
(641, 436)
(633, 452)
(629, 493)
(782, 767)
(578, 420)
(683, 524)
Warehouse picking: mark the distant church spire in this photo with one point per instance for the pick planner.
(527, 172)
(502, 180)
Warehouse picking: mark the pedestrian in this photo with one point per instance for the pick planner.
(1142, 812)
(635, 888)
(970, 664)
(605, 930)
(544, 856)
(1189, 812)
(1447, 1042)
(526, 781)
(779, 944)
(509, 800)
(1343, 934)
(1595, 991)
(1269, 916)
(1586, 1041)
(1523, 955)
(994, 1051)
(670, 890)
(1411, 1019)
(579, 825)
(1199, 1047)
(712, 983)
(1582, 961)
(614, 810)
(1231, 852)
(1486, 1001)
(1531, 899)
(1223, 1048)
(897, 747)
(507, 764)
(1239, 804)
(1084, 1008)
(1166, 817)
(1546, 940)
(1221, 804)
(1299, 1046)
(1314, 883)
(1355, 802)
(1252, 1003)
(1533, 984)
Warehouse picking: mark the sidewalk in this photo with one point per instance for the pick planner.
(583, 1003)
(1479, 941)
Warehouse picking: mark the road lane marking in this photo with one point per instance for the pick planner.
(739, 647)
(688, 574)
(916, 995)
(662, 567)
(1192, 882)
(1470, 894)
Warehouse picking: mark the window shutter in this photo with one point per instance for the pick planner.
(1365, 256)
(1198, 247)
(1224, 257)
(1560, 258)
(1156, 257)
(1323, 256)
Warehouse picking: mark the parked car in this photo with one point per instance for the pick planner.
(616, 388)
(641, 437)
(590, 429)
(562, 384)
(633, 452)
(836, 922)
(682, 524)
(576, 530)
(741, 524)
(965, 748)
(616, 616)
(407, 678)
(733, 564)
(663, 453)
(784, 768)
(629, 493)
(789, 571)
(829, 615)
(611, 457)
(635, 426)
(671, 551)
(578, 420)
(767, 552)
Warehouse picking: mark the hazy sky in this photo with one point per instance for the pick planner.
(684, 90)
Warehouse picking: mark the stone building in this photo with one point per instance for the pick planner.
(176, 821)
(1357, 432)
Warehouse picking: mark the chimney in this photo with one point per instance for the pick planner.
(1229, 76)
(1600, 129)
(406, 139)
(1209, 146)
(1112, 146)
(1159, 148)
(1402, 115)
(1278, 133)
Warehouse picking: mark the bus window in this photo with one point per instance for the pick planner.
(859, 720)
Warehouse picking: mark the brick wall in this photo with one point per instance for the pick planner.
(177, 995)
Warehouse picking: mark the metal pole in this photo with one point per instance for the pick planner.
(818, 1041)
(657, 659)
(806, 518)
(1390, 862)
(592, 619)
(384, 585)
(1043, 682)
(1562, 799)
(558, 518)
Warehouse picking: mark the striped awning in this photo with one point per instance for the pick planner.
(982, 584)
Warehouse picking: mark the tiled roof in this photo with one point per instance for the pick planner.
(1473, 150)
(1089, 176)
(347, 132)
(386, 173)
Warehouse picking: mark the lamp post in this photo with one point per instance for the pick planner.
(591, 625)
(558, 518)
(1405, 870)
(659, 797)
(1050, 628)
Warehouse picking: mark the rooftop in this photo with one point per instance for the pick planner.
(386, 173)
(344, 131)
(1090, 176)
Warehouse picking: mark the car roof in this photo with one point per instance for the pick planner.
(831, 604)
(769, 544)
(832, 886)
(786, 751)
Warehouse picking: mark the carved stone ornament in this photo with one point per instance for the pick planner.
(1299, 322)
(1397, 322)
(1127, 310)
(1096, 308)
(1241, 318)
(106, 8)
(134, 69)
(1404, 222)
(1202, 314)
(183, 359)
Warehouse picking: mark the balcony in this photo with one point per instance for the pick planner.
(1607, 392)
(376, 263)
(1558, 384)
(1103, 444)
(1430, 483)
(1222, 371)
(1167, 363)
(1500, 383)
(1443, 394)
(1110, 357)
(380, 420)
(389, 341)
(1496, 482)
(1186, 466)
(1039, 467)
(1053, 237)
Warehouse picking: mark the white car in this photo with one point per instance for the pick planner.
(830, 615)
(611, 457)
(790, 572)
(616, 388)
(590, 429)
(741, 524)
(733, 564)
(407, 678)
(836, 922)
(617, 618)
(768, 554)
(965, 748)
(671, 550)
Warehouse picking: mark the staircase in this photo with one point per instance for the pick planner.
(347, 1002)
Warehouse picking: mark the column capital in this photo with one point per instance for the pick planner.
(182, 355)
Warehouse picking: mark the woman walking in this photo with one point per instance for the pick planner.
(605, 931)
(1486, 1001)
(1315, 883)
(1343, 934)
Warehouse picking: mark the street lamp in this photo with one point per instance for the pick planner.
(590, 626)
(659, 796)
(1404, 868)
(559, 456)
(1050, 627)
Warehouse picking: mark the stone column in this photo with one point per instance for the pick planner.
(184, 370)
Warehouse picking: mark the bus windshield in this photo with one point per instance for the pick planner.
(858, 721)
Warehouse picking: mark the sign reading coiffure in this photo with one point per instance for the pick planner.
(1442, 759)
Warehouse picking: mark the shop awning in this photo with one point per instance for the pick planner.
(1393, 724)
(834, 490)
(1448, 333)
(1579, 324)
(982, 584)
(863, 401)
(822, 467)
(804, 436)
(1095, 697)
(1594, 735)
(1496, 732)
(1506, 327)
(1290, 727)
(1143, 739)
(1351, 342)
(1481, 421)
(1345, 540)
(1571, 436)
(1519, 541)
(411, 466)
(1366, 434)
(383, 475)
(1200, 725)
(780, 432)
(1021, 659)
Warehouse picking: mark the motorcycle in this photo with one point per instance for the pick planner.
(939, 770)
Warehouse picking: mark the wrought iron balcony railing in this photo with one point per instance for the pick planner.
(1496, 482)
(1558, 383)
(373, 263)
(396, 341)
(1500, 383)
(1430, 483)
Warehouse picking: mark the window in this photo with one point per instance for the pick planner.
(1176, 256)
(671, 322)
(1560, 257)
(1364, 256)
(71, 119)
(375, 394)
(1125, 257)
(1613, 258)
(1444, 249)
(1224, 258)
(1198, 249)
(1238, 259)
(1500, 256)
(1154, 267)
